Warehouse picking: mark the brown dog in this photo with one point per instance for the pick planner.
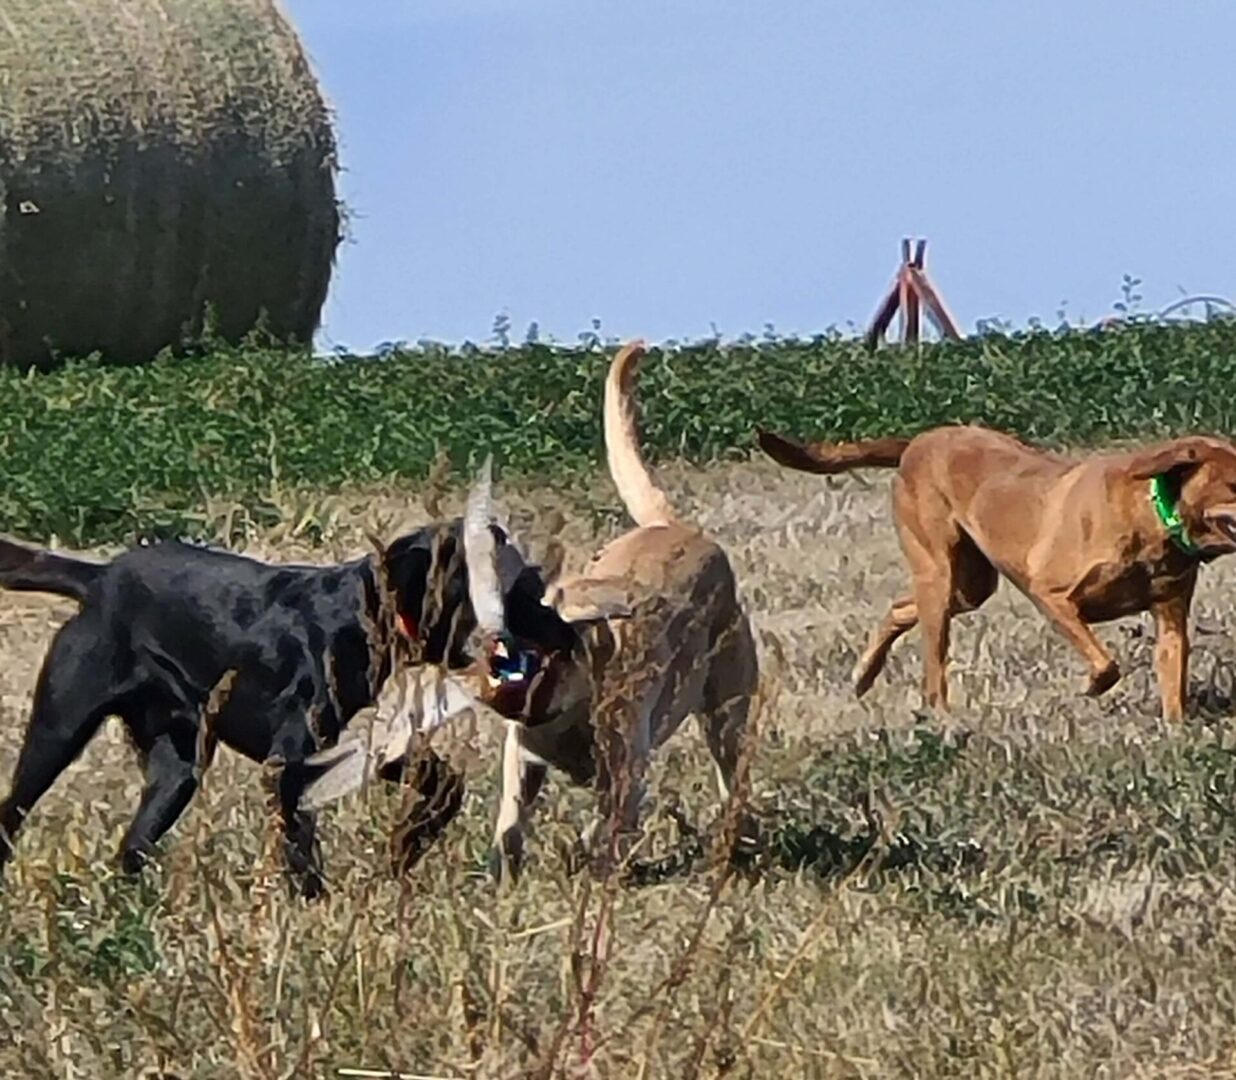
(1087, 540)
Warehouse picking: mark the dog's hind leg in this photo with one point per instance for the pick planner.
(170, 760)
(902, 617)
(72, 698)
(729, 690)
(931, 565)
(624, 741)
(972, 580)
(931, 596)
(950, 575)
(725, 724)
(929, 536)
(733, 677)
(725, 728)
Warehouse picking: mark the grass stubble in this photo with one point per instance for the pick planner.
(1039, 885)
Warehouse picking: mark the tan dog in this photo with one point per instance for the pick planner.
(1087, 540)
(655, 632)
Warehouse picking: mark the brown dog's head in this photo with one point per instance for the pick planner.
(1201, 473)
(528, 665)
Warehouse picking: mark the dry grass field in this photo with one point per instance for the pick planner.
(1042, 885)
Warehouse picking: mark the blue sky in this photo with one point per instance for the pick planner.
(668, 165)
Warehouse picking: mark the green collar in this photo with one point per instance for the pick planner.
(1163, 499)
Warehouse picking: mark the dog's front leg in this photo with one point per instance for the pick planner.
(522, 779)
(1171, 654)
(622, 751)
(284, 778)
(1063, 613)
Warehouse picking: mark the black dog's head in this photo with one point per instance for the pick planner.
(427, 575)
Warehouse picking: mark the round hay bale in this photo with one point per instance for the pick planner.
(156, 157)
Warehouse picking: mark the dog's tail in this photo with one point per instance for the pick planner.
(645, 502)
(824, 457)
(25, 569)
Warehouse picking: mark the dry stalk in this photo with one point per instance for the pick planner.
(255, 1057)
(251, 1060)
(806, 941)
(381, 635)
(620, 676)
(317, 1032)
(710, 1026)
(437, 479)
(736, 808)
(614, 719)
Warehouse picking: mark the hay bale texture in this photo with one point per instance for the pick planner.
(157, 156)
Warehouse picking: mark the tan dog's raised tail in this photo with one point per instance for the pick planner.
(1086, 539)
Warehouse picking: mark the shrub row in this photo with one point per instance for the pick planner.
(95, 454)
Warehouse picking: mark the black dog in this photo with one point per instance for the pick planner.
(187, 644)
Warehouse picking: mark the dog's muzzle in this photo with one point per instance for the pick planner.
(513, 672)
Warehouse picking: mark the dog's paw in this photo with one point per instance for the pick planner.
(1103, 680)
(132, 860)
(506, 857)
(310, 886)
(304, 882)
(862, 677)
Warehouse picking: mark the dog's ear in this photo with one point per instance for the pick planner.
(1180, 456)
(419, 562)
(580, 600)
(406, 566)
(530, 615)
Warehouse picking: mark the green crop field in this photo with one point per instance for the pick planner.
(94, 454)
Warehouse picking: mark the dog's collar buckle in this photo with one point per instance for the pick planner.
(1163, 499)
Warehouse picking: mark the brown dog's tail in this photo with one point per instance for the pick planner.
(645, 502)
(824, 457)
(25, 569)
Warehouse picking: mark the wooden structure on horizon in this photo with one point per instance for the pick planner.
(912, 294)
